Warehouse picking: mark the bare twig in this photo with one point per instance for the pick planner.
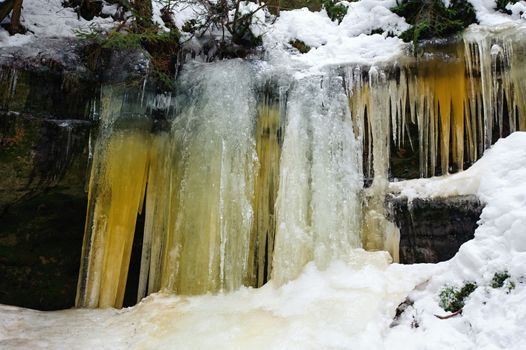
(458, 312)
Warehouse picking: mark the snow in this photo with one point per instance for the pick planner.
(47, 18)
(345, 306)
(487, 16)
(366, 16)
(469, 181)
(257, 25)
(341, 307)
(518, 10)
(184, 12)
(352, 41)
(333, 43)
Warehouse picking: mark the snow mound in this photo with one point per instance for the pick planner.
(332, 43)
(353, 41)
(343, 307)
(492, 318)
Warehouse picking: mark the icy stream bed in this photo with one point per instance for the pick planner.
(339, 308)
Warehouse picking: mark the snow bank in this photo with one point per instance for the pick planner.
(487, 16)
(492, 168)
(351, 41)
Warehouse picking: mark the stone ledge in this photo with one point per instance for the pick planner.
(433, 229)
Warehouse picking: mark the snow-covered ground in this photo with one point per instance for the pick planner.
(344, 307)
(352, 40)
(487, 16)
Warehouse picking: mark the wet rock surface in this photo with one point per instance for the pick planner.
(432, 230)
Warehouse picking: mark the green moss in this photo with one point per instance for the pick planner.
(452, 299)
(431, 19)
(300, 46)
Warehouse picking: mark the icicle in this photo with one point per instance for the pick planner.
(156, 219)
(515, 75)
(379, 108)
(232, 200)
(115, 196)
(13, 83)
(266, 186)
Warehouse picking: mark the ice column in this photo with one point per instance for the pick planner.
(318, 206)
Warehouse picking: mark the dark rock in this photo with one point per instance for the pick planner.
(432, 230)
(40, 240)
(86, 9)
(47, 79)
(404, 160)
(43, 166)
(129, 66)
(38, 154)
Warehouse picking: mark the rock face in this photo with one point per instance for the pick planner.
(48, 98)
(45, 101)
(432, 230)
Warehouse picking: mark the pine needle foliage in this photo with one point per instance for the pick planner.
(432, 19)
(335, 10)
(452, 298)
